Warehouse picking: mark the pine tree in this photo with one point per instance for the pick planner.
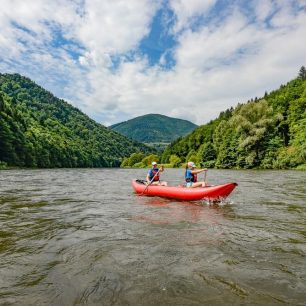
(302, 73)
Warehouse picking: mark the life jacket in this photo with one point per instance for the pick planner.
(152, 173)
(190, 177)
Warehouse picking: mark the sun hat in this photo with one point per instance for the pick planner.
(191, 164)
(154, 163)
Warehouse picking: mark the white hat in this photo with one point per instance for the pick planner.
(154, 163)
(191, 164)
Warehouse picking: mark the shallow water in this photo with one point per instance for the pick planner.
(81, 237)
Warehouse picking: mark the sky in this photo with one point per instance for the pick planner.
(118, 59)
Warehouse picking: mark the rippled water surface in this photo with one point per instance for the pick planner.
(81, 237)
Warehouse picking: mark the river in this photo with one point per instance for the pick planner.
(82, 237)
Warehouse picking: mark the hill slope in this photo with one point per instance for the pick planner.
(154, 128)
(39, 130)
(265, 133)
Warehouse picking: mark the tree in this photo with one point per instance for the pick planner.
(252, 122)
(226, 143)
(192, 156)
(135, 158)
(302, 74)
(206, 152)
(175, 161)
(147, 161)
(1, 103)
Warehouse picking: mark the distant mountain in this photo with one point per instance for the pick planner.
(154, 128)
(39, 130)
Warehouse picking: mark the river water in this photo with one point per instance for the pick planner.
(81, 237)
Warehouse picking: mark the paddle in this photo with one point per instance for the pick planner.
(152, 180)
(205, 177)
(205, 174)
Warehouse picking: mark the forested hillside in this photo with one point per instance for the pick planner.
(39, 130)
(154, 128)
(267, 133)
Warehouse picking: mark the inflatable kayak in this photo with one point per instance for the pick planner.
(213, 193)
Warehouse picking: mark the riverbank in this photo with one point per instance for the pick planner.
(169, 166)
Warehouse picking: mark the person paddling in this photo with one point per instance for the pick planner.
(191, 176)
(153, 176)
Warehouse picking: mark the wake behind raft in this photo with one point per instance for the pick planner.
(211, 193)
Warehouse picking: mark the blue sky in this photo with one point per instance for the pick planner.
(119, 59)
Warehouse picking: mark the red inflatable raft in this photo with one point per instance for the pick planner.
(214, 193)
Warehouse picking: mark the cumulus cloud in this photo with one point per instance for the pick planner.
(264, 9)
(217, 66)
(185, 11)
(112, 28)
(89, 52)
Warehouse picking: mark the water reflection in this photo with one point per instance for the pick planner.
(166, 211)
(199, 224)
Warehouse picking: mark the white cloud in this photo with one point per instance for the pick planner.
(217, 64)
(263, 9)
(210, 75)
(113, 27)
(102, 28)
(186, 10)
(212, 46)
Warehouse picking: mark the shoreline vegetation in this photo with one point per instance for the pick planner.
(176, 164)
(38, 130)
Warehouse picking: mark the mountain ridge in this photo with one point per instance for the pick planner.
(38, 129)
(154, 128)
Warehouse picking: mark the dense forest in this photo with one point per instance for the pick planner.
(265, 133)
(154, 128)
(39, 130)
